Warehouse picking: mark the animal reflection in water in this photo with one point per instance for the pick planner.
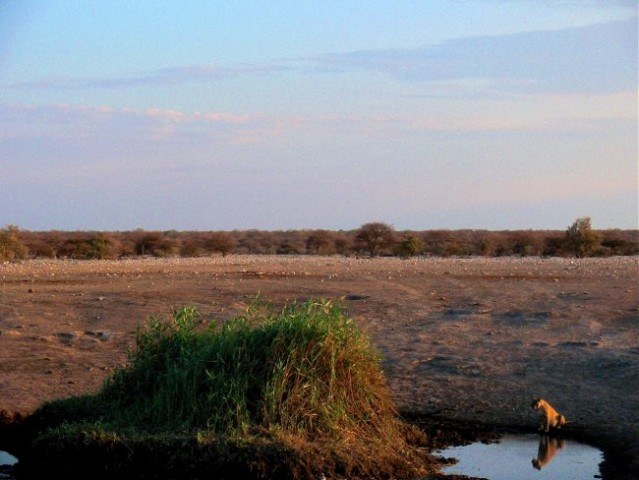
(548, 447)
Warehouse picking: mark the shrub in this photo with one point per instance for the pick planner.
(102, 247)
(375, 237)
(410, 246)
(301, 381)
(11, 246)
(221, 242)
(290, 371)
(320, 242)
(581, 239)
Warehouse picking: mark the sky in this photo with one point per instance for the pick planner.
(211, 115)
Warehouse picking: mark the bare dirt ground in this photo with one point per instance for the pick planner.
(471, 341)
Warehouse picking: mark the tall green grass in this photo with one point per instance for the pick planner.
(272, 393)
(305, 370)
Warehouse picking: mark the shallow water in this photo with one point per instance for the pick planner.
(7, 459)
(523, 457)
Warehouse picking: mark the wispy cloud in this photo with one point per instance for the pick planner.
(84, 139)
(77, 143)
(18, 119)
(596, 58)
(106, 127)
(539, 112)
(592, 59)
(160, 77)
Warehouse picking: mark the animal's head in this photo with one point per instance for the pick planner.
(536, 403)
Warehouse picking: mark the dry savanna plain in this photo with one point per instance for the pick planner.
(467, 342)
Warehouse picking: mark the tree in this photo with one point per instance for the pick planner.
(410, 246)
(319, 242)
(342, 244)
(192, 246)
(524, 243)
(11, 246)
(375, 237)
(221, 242)
(146, 242)
(100, 247)
(581, 239)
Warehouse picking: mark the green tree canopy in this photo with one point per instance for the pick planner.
(581, 239)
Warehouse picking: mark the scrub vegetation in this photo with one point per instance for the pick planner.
(292, 393)
(371, 239)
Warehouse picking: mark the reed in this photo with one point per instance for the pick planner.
(304, 377)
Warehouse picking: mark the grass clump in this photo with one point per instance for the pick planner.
(300, 390)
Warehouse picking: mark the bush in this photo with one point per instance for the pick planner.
(11, 246)
(221, 242)
(581, 239)
(290, 371)
(302, 380)
(410, 246)
(375, 238)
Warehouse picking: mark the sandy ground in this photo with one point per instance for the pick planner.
(468, 340)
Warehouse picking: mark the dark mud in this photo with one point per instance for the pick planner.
(252, 462)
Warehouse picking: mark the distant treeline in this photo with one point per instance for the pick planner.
(373, 239)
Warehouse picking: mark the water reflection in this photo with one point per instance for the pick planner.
(548, 447)
(7, 459)
(552, 458)
(6, 465)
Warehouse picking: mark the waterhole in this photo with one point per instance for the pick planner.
(6, 462)
(523, 457)
(7, 459)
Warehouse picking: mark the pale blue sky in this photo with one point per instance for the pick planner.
(497, 114)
